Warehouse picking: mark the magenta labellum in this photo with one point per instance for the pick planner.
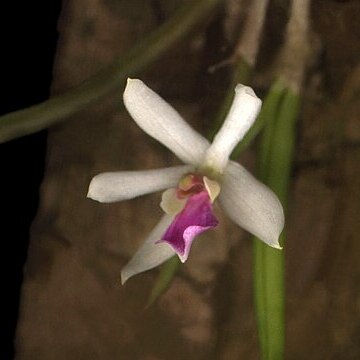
(196, 217)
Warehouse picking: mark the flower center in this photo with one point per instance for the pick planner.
(174, 199)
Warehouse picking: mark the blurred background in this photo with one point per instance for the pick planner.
(64, 253)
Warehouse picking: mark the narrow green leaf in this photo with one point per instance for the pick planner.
(267, 117)
(275, 161)
(163, 281)
(269, 106)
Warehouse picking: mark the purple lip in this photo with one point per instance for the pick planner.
(196, 217)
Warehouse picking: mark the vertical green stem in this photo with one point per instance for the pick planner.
(275, 160)
(269, 110)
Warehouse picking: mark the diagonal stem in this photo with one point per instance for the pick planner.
(58, 108)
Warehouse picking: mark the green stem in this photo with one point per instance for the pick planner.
(268, 112)
(283, 144)
(164, 279)
(275, 161)
(56, 109)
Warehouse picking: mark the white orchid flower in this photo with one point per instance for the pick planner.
(191, 189)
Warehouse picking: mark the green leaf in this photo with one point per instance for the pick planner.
(275, 162)
(167, 273)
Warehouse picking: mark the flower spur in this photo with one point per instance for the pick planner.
(191, 189)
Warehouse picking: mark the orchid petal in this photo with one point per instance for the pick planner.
(123, 185)
(171, 203)
(251, 204)
(212, 187)
(195, 218)
(162, 122)
(242, 114)
(150, 254)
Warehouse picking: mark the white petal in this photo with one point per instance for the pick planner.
(242, 114)
(123, 185)
(161, 121)
(150, 254)
(212, 187)
(251, 204)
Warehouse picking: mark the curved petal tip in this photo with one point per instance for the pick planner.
(276, 246)
(94, 191)
(124, 278)
(150, 254)
(252, 205)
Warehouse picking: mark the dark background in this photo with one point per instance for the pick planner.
(28, 31)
